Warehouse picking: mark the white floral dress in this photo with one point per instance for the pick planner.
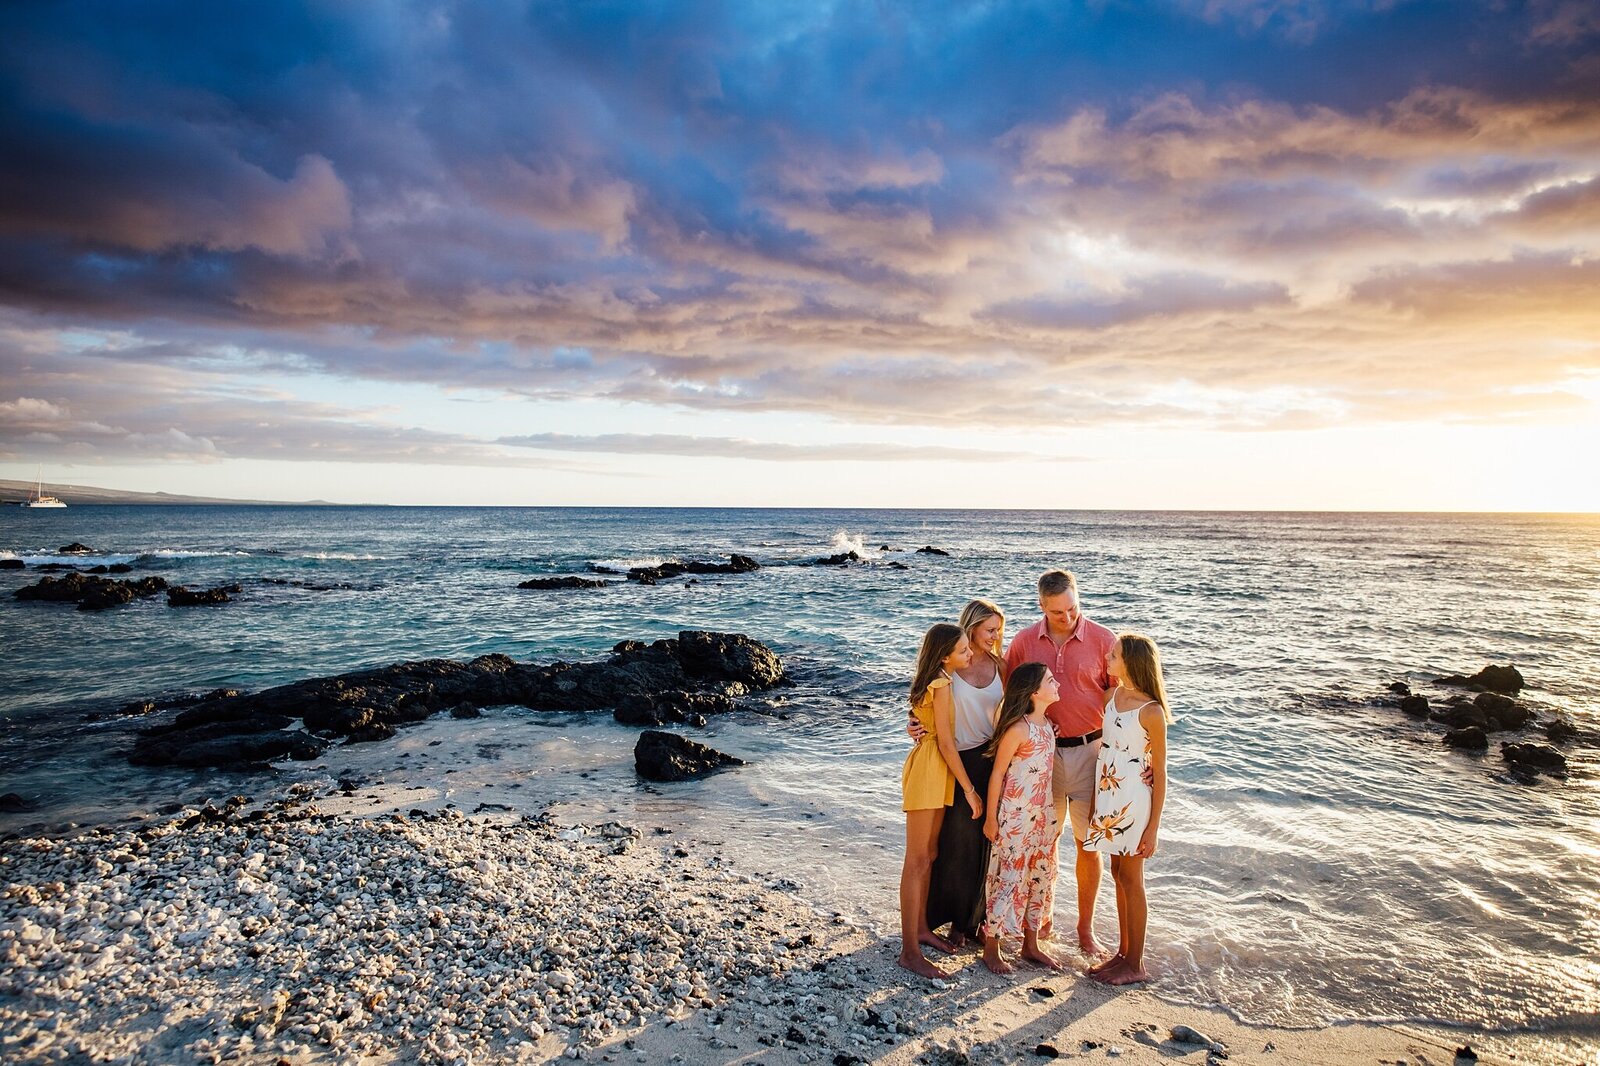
(1121, 798)
(1020, 890)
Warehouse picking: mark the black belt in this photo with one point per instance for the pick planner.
(1074, 742)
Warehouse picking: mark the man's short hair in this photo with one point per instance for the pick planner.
(1055, 582)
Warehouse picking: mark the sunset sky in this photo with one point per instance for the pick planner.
(1192, 254)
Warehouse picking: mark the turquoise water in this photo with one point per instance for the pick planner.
(1324, 858)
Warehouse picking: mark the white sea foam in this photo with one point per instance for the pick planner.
(344, 557)
(845, 541)
(628, 563)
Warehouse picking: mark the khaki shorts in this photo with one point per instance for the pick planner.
(1072, 784)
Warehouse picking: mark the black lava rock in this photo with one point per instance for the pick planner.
(180, 596)
(563, 583)
(650, 575)
(842, 559)
(1459, 716)
(1505, 680)
(931, 550)
(1400, 688)
(1469, 738)
(1559, 730)
(1503, 712)
(1415, 706)
(1534, 756)
(465, 710)
(12, 564)
(659, 756)
(90, 593)
(686, 678)
(74, 549)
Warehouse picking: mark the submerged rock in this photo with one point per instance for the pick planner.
(1534, 756)
(1503, 712)
(74, 549)
(842, 559)
(1470, 738)
(1461, 715)
(1560, 730)
(12, 564)
(659, 756)
(563, 583)
(931, 550)
(1506, 680)
(11, 803)
(650, 575)
(1415, 706)
(181, 596)
(90, 593)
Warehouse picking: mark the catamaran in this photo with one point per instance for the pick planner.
(39, 499)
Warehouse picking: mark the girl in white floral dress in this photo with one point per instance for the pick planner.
(1127, 812)
(1021, 820)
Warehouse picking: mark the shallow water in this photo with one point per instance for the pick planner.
(1323, 857)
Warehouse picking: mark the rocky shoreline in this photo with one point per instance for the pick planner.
(291, 932)
(681, 680)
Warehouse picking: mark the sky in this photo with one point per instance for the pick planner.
(1196, 254)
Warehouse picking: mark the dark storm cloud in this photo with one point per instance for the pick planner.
(984, 214)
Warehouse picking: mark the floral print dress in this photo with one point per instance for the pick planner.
(1021, 886)
(1121, 798)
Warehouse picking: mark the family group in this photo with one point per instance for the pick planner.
(1067, 723)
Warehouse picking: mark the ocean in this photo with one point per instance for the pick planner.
(1323, 857)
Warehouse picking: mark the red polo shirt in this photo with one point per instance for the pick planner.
(1080, 669)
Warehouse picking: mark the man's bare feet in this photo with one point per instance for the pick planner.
(936, 942)
(1122, 974)
(957, 938)
(1088, 944)
(1040, 957)
(1104, 965)
(920, 966)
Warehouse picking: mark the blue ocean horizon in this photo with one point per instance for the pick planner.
(1317, 837)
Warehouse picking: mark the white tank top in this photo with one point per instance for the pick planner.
(974, 710)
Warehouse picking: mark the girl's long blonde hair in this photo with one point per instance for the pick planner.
(1141, 667)
(973, 615)
(937, 644)
(1017, 703)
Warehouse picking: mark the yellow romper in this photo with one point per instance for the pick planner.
(926, 782)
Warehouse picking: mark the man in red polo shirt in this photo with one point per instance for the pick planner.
(1074, 648)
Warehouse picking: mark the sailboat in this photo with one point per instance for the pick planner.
(39, 499)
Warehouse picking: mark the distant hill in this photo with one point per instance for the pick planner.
(76, 495)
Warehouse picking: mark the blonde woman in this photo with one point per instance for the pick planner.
(955, 889)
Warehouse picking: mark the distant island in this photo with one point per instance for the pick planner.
(16, 492)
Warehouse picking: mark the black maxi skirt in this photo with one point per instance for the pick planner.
(955, 890)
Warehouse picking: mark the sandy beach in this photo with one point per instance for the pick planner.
(326, 925)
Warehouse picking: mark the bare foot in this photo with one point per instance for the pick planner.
(936, 942)
(920, 966)
(996, 963)
(1039, 956)
(1126, 975)
(1088, 944)
(1101, 967)
(958, 939)
(1047, 928)
(1121, 974)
